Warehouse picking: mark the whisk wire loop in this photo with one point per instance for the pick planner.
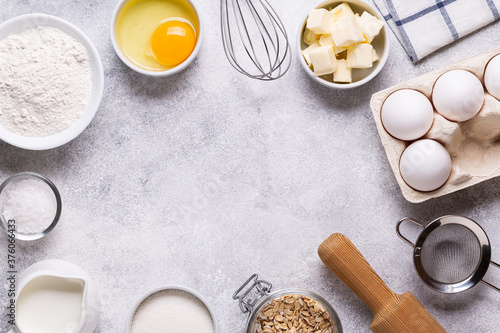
(245, 34)
(275, 19)
(254, 39)
(264, 33)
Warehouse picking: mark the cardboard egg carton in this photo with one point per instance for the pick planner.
(474, 145)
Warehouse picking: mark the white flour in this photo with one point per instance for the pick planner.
(45, 81)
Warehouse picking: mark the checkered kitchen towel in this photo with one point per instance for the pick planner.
(423, 26)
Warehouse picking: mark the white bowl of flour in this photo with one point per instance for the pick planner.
(51, 81)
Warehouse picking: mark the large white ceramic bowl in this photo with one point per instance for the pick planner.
(133, 309)
(381, 43)
(163, 73)
(23, 22)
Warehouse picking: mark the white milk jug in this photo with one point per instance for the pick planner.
(55, 296)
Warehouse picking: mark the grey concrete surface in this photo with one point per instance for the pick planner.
(207, 177)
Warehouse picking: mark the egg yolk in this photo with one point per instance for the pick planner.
(173, 42)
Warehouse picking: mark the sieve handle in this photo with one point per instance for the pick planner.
(348, 264)
(401, 235)
(489, 284)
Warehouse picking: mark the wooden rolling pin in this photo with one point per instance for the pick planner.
(393, 313)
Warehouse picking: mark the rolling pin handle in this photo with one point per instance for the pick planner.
(345, 261)
(393, 313)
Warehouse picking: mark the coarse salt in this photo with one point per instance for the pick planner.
(31, 203)
(172, 311)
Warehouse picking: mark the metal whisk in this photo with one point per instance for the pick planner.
(254, 39)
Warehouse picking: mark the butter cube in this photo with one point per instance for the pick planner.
(374, 55)
(306, 51)
(323, 60)
(360, 56)
(320, 21)
(309, 37)
(327, 40)
(346, 32)
(343, 73)
(370, 26)
(342, 10)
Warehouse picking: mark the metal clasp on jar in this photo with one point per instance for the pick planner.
(262, 288)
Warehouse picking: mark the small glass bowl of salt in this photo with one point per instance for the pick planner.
(30, 205)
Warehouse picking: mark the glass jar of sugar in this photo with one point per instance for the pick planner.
(288, 310)
(30, 205)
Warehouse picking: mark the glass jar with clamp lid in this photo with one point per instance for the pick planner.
(288, 310)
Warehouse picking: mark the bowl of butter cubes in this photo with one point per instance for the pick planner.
(343, 44)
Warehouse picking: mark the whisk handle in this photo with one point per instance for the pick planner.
(340, 255)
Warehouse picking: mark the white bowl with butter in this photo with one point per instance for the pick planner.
(360, 53)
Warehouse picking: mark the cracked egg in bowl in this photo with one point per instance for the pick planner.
(156, 37)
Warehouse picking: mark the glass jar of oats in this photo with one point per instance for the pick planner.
(288, 310)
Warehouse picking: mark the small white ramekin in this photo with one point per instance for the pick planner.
(133, 309)
(166, 72)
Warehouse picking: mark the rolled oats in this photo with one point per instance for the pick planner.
(293, 314)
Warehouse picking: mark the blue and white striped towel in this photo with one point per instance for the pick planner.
(423, 26)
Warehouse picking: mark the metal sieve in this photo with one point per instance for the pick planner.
(451, 254)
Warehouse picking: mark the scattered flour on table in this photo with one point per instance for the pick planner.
(45, 81)
(172, 311)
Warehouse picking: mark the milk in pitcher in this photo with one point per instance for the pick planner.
(50, 304)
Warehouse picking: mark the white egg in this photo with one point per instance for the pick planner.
(458, 95)
(407, 114)
(425, 165)
(492, 77)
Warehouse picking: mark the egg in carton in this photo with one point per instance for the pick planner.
(473, 145)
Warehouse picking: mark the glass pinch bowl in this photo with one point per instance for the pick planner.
(16, 178)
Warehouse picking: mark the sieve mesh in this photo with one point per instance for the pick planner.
(450, 253)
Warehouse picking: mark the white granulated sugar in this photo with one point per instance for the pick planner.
(45, 81)
(172, 311)
(31, 203)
